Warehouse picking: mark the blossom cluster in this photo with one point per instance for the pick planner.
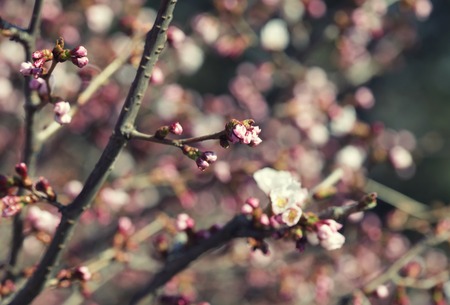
(287, 198)
(286, 194)
(243, 132)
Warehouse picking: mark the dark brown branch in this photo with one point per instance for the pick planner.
(178, 143)
(154, 44)
(239, 226)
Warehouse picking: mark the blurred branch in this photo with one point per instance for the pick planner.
(398, 200)
(425, 284)
(26, 37)
(239, 226)
(392, 271)
(154, 44)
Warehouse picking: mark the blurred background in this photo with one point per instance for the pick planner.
(363, 85)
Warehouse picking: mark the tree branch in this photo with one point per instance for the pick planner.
(154, 44)
(27, 37)
(239, 226)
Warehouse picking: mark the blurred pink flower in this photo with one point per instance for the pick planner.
(176, 128)
(10, 206)
(326, 234)
(42, 220)
(184, 222)
(62, 110)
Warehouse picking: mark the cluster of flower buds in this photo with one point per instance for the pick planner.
(122, 241)
(202, 159)
(62, 112)
(184, 223)
(325, 232)
(241, 132)
(11, 203)
(36, 68)
(78, 55)
(252, 208)
(66, 277)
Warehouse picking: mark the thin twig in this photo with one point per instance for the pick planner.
(398, 200)
(93, 86)
(407, 257)
(178, 143)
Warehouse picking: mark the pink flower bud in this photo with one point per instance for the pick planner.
(37, 55)
(61, 108)
(40, 85)
(61, 111)
(264, 220)
(176, 128)
(79, 51)
(63, 119)
(253, 202)
(209, 156)
(247, 209)
(80, 62)
(201, 164)
(82, 273)
(21, 169)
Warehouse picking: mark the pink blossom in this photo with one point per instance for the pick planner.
(264, 220)
(27, 68)
(326, 234)
(42, 220)
(10, 206)
(238, 134)
(40, 85)
(176, 128)
(242, 134)
(184, 222)
(80, 62)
